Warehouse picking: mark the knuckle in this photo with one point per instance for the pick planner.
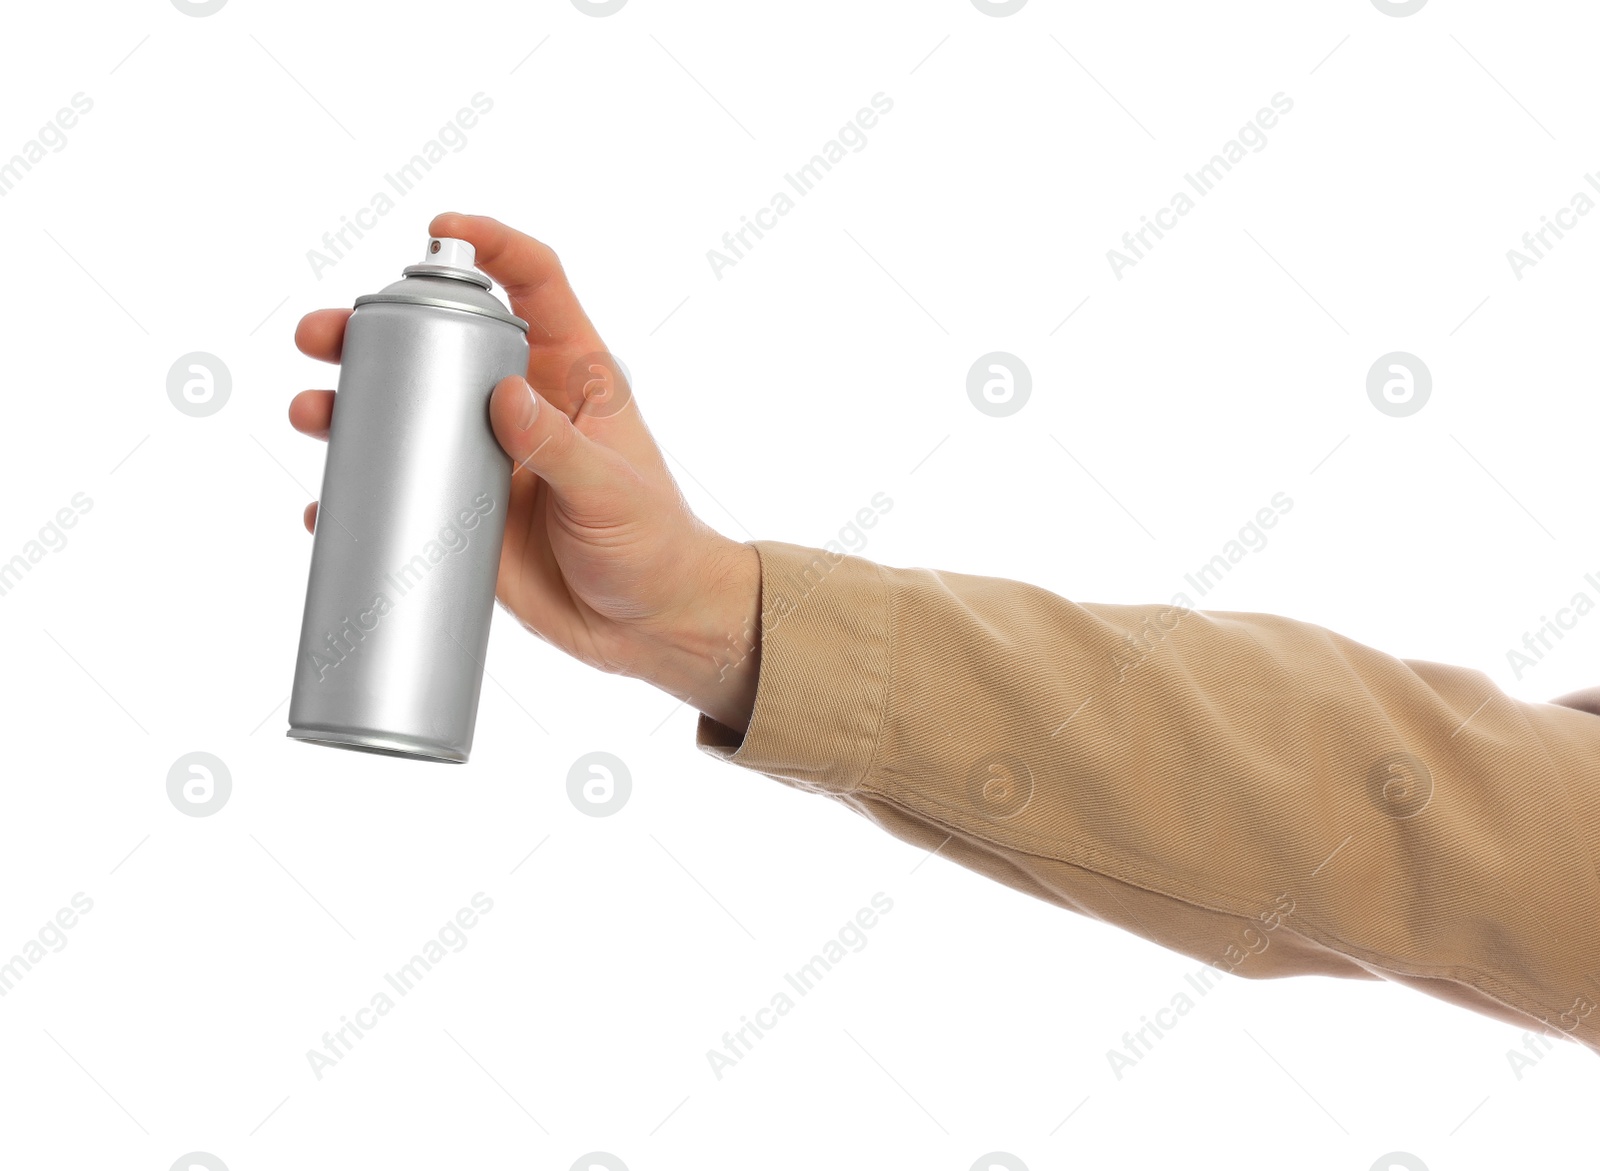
(562, 437)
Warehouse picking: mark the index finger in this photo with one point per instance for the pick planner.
(559, 331)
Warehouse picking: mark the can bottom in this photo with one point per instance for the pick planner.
(385, 743)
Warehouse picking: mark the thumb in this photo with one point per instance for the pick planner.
(539, 437)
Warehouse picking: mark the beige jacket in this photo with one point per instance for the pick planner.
(1258, 793)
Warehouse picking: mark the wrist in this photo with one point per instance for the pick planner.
(708, 653)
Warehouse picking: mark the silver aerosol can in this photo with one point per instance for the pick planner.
(413, 507)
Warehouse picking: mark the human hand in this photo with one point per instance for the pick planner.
(602, 555)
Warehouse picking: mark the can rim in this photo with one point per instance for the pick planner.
(470, 275)
(441, 303)
(385, 743)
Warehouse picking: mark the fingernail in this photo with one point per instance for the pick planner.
(530, 408)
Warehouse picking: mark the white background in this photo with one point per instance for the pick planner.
(1227, 366)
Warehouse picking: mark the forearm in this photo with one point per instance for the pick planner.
(1192, 776)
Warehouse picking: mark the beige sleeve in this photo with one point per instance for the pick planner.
(1261, 794)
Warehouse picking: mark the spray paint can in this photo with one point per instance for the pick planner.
(413, 508)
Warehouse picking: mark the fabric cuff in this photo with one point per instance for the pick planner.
(824, 673)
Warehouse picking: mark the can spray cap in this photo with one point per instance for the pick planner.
(448, 257)
(455, 253)
(447, 278)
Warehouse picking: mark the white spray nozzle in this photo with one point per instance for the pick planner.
(452, 253)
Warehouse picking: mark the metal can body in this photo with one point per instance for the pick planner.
(409, 526)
